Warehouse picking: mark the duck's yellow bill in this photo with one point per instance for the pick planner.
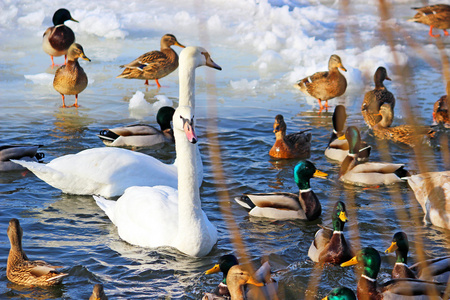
(215, 269)
(392, 248)
(343, 216)
(342, 137)
(351, 262)
(253, 281)
(179, 45)
(326, 298)
(320, 174)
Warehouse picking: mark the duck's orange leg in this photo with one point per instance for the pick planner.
(53, 63)
(64, 103)
(146, 82)
(445, 32)
(326, 104)
(157, 83)
(76, 101)
(431, 32)
(65, 59)
(320, 104)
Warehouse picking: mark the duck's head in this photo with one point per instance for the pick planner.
(238, 276)
(62, 15)
(75, 52)
(98, 293)
(335, 62)
(224, 265)
(183, 120)
(197, 57)
(339, 118)
(304, 171)
(380, 76)
(169, 40)
(400, 245)
(369, 258)
(339, 217)
(354, 139)
(165, 116)
(341, 293)
(15, 232)
(279, 125)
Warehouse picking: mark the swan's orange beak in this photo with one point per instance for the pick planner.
(189, 130)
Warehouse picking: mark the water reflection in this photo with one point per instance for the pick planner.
(70, 123)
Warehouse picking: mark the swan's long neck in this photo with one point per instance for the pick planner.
(187, 84)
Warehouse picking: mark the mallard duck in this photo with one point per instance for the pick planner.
(330, 246)
(262, 275)
(325, 85)
(141, 135)
(21, 270)
(294, 145)
(304, 206)
(71, 78)
(98, 293)
(437, 16)
(432, 191)
(340, 293)
(18, 152)
(437, 269)
(369, 173)
(406, 134)
(377, 97)
(337, 148)
(368, 288)
(238, 277)
(58, 38)
(154, 64)
(440, 109)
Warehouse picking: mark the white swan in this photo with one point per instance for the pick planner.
(109, 171)
(161, 215)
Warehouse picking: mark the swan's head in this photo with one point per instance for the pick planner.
(197, 56)
(183, 120)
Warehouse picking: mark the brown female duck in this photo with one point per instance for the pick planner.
(98, 293)
(294, 145)
(406, 134)
(21, 270)
(58, 38)
(440, 109)
(155, 64)
(330, 246)
(377, 97)
(71, 78)
(325, 85)
(437, 16)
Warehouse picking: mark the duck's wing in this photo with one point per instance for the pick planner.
(145, 59)
(321, 240)
(411, 287)
(288, 201)
(431, 268)
(299, 138)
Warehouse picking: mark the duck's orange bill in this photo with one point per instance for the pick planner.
(215, 269)
(392, 248)
(351, 262)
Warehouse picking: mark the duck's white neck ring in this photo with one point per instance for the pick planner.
(368, 278)
(338, 232)
(352, 154)
(305, 191)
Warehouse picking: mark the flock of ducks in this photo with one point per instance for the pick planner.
(153, 193)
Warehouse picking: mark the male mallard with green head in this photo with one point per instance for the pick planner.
(154, 65)
(330, 245)
(325, 85)
(21, 270)
(71, 79)
(377, 97)
(58, 38)
(369, 289)
(340, 293)
(437, 16)
(304, 206)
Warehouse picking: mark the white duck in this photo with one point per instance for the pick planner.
(160, 215)
(109, 171)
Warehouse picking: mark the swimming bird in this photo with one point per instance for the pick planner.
(141, 135)
(437, 16)
(369, 173)
(161, 215)
(330, 246)
(109, 171)
(21, 270)
(325, 85)
(340, 293)
(294, 145)
(432, 191)
(58, 38)
(337, 148)
(98, 293)
(238, 277)
(409, 135)
(375, 98)
(441, 113)
(435, 269)
(154, 65)
(276, 205)
(404, 288)
(71, 79)
(18, 152)
(224, 265)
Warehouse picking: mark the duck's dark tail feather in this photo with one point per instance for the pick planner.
(402, 173)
